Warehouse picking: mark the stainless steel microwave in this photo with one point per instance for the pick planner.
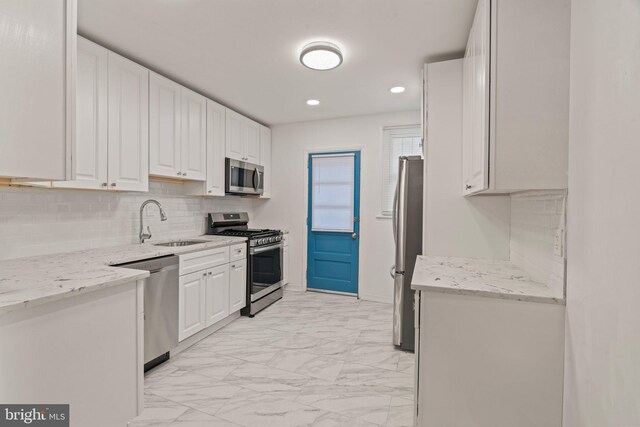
(243, 178)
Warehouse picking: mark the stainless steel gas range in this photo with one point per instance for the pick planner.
(264, 268)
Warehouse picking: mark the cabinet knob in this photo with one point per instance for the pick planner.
(179, 173)
(233, 266)
(468, 187)
(104, 184)
(184, 174)
(204, 274)
(209, 191)
(210, 273)
(113, 184)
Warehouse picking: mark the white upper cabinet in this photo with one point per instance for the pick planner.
(252, 144)
(265, 159)
(164, 126)
(91, 118)
(128, 135)
(111, 141)
(216, 125)
(234, 142)
(194, 135)
(37, 83)
(177, 130)
(243, 138)
(516, 97)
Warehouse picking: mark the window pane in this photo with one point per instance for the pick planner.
(405, 141)
(332, 193)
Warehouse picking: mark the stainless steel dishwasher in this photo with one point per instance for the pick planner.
(160, 307)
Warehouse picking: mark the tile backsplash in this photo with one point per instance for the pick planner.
(36, 221)
(535, 217)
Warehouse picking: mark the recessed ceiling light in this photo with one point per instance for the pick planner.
(396, 89)
(321, 56)
(313, 102)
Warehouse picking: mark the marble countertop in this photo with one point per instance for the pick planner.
(26, 282)
(487, 278)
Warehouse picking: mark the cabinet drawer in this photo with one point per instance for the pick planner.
(202, 260)
(238, 251)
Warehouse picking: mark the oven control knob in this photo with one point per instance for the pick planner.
(260, 241)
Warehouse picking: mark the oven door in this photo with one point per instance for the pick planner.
(243, 178)
(265, 270)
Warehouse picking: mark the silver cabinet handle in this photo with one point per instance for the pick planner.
(354, 236)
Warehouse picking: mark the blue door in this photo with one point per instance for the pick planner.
(333, 222)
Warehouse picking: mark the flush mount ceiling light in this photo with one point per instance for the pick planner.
(313, 102)
(321, 56)
(396, 89)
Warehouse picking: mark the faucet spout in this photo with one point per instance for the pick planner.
(163, 217)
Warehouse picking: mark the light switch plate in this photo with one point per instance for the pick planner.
(558, 242)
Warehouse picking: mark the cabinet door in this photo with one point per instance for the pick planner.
(164, 126)
(128, 125)
(234, 135)
(238, 285)
(194, 135)
(252, 141)
(476, 103)
(265, 159)
(90, 160)
(215, 148)
(217, 294)
(285, 265)
(191, 304)
(38, 45)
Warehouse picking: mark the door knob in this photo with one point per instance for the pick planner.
(354, 236)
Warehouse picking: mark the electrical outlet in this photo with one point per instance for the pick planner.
(558, 242)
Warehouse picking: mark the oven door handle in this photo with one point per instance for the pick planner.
(261, 249)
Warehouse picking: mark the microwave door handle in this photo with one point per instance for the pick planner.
(259, 179)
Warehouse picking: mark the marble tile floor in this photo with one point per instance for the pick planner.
(311, 359)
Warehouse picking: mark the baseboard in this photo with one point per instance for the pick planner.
(376, 298)
(294, 287)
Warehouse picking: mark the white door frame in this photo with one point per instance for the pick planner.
(305, 201)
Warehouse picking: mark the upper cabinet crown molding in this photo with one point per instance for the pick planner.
(40, 84)
(516, 97)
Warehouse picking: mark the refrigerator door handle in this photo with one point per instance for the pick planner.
(394, 213)
(401, 203)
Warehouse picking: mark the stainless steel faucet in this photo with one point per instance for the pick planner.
(163, 217)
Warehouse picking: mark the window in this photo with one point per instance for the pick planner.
(332, 186)
(396, 141)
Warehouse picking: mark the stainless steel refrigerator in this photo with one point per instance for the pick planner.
(407, 233)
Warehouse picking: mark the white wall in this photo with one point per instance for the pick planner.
(35, 221)
(287, 208)
(473, 227)
(602, 366)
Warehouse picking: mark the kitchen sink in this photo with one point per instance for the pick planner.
(175, 243)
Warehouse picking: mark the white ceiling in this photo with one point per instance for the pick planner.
(244, 53)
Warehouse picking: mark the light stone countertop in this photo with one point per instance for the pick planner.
(26, 282)
(487, 278)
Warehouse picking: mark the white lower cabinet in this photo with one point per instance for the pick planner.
(212, 293)
(217, 294)
(238, 285)
(192, 304)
